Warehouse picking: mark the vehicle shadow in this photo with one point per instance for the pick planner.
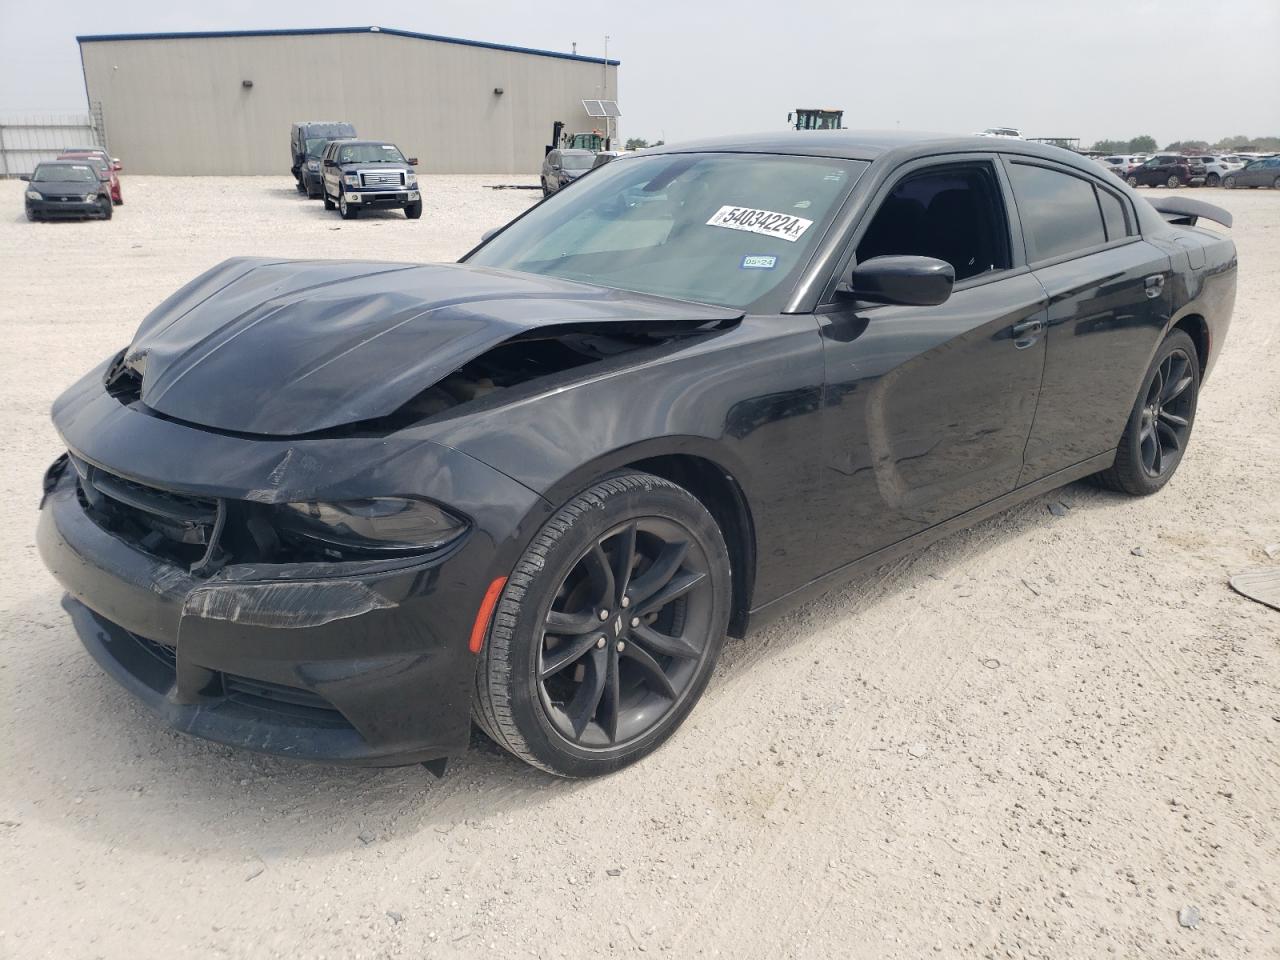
(112, 770)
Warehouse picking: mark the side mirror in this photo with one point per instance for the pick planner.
(490, 234)
(556, 167)
(902, 280)
(412, 161)
(116, 164)
(25, 176)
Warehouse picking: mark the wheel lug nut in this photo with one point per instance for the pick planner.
(635, 621)
(621, 646)
(600, 643)
(604, 614)
(626, 602)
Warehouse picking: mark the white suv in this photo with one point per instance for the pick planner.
(1216, 168)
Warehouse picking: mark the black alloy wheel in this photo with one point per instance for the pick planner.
(608, 629)
(1173, 182)
(1166, 414)
(625, 634)
(1159, 426)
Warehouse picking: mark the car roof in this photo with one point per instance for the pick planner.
(578, 150)
(61, 163)
(868, 145)
(354, 141)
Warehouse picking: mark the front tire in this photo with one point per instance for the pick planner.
(1229, 182)
(1173, 183)
(1131, 181)
(608, 629)
(104, 208)
(328, 203)
(1212, 180)
(1160, 423)
(413, 210)
(348, 211)
(1275, 184)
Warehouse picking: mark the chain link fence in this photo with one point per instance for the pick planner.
(27, 140)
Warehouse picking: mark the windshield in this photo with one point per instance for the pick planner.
(71, 172)
(370, 153)
(316, 145)
(726, 229)
(577, 161)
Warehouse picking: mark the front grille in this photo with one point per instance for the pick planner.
(382, 178)
(173, 526)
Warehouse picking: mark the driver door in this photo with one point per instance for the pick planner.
(928, 409)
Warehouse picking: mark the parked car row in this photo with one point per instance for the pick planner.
(1178, 170)
(81, 183)
(350, 174)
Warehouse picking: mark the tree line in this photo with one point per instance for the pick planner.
(1147, 144)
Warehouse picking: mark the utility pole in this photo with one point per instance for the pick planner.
(604, 85)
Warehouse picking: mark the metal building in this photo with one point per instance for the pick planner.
(222, 103)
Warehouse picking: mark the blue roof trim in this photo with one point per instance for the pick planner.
(313, 31)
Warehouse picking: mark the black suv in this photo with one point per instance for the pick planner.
(359, 174)
(1168, 170)
(307, 141)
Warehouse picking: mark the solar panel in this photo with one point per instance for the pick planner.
(601, 108)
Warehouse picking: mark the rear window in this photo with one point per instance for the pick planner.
(1113, 214)
(1059, 212)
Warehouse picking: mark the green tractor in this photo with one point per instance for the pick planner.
(808, 118)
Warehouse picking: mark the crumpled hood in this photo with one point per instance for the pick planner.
(290, 347)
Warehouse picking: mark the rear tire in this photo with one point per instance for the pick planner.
(1131, 181)
(1159, 427)
(1212, 180)
(1173, 183)
(413, 210)
(1229, 182)
(599, 694)
(1275, 184)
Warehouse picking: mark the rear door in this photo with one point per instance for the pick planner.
(928, 409)
(1108, 300)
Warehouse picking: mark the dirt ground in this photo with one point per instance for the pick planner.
(1031, 740)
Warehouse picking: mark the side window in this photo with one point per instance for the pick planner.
(1113, 214)
(954, 213)
(1059, 212)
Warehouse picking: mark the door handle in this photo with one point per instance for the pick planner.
(1154, 285)
(1025, 333)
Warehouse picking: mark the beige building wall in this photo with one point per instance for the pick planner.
(178, 105)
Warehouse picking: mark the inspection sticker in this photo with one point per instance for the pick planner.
(759, 262)
(784, 226)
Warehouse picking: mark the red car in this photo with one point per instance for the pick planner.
(107, 169)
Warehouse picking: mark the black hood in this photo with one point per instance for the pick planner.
(64, 188)
(290, 347)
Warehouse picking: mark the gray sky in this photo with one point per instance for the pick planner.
(1171, 68)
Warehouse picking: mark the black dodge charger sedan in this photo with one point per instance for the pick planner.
(337, 510)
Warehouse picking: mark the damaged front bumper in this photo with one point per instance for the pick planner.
(337, 662)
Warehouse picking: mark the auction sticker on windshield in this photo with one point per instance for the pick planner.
(784, 226)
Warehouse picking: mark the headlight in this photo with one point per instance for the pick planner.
(411, 182)
(34, 195)
(377, 526)
(351, 179)
(313, 164)
(90, 197)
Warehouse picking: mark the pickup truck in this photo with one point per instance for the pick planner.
(307, 141)
(364, 174)
(1168, 170)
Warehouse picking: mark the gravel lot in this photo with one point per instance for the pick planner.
(1027, 741)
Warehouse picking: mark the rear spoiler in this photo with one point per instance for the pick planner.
(1184, 210)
